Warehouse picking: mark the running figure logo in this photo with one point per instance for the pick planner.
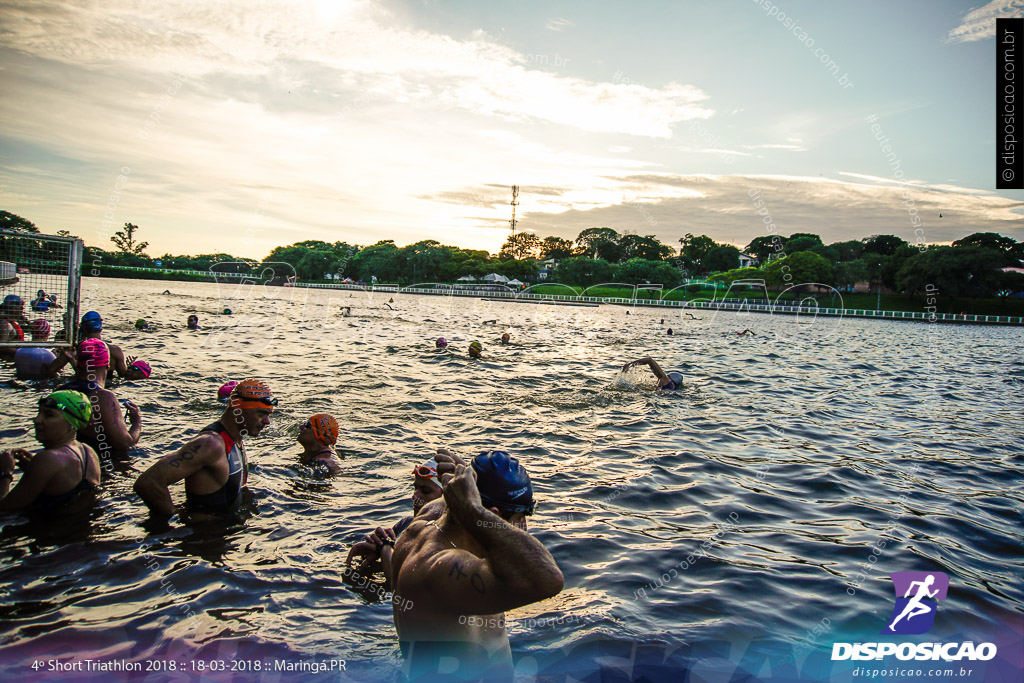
(915, 614)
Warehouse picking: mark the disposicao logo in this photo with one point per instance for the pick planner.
(913, 615)
(917, 601)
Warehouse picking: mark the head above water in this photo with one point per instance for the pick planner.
(141, 324)
(251, 404)
(676, 377)
(140, 369)
(91, 322)
(324, 428)
(224, 393)
(503, 484)
(252, 394)
(193, 321)
(440, 343)
(40, 330)
(427, 486)
(93, 355)
(475, 349)
(505, 337)
(73, 406)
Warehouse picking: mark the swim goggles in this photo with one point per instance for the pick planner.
(56, 405)
(306, 425)
(425, 472)
(505, 507)
(265, 400)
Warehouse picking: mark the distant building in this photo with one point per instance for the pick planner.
(747, 261)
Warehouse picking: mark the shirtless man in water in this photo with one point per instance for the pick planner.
(463, 562)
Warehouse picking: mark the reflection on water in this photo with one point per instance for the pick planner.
(770, 497)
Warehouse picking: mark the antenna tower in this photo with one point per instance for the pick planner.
(515, 203)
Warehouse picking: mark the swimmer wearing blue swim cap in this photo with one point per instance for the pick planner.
(504, 486)
(469, 554)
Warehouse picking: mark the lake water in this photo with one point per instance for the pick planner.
(739, 526)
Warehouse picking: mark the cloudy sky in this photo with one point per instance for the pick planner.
(241, 126)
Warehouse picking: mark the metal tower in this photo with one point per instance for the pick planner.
(515, 203)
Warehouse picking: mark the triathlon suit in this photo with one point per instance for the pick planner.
(18, 332)
(46, 501)
(670, 386)
(226, 497)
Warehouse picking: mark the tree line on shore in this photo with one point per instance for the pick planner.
(970, 267)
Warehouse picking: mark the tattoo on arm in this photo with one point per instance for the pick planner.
(186, 454)
(475, 579)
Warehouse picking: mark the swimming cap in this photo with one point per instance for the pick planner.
(252, 394)
(141, 324)
(74, 405)
(91, 322)
(12, 299)
(441, 342)
(503, 483)
(93, 353)
(40, 328)
(505, 338)
(227, 311)
(428, 470)
(143, 367)
(676, 377)
(325, 428)
(476, 345)
(225, 390)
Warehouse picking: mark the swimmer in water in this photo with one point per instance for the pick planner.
(317, 436)
(141, 324)
(476, 349)
(463, 562)
(212, 464)
(166, 291)
(670, 331)
(440, 343)
(667, 381)
(224, 393)
(106, 432)
(426, 488)
(137, 369)
(489, 322)
(346, 311)
(747, 331)
(91, 327)
(193, 322)
(504, 338)
(63, 469)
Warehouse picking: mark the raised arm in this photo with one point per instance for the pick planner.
(153, 484)
(516, 569)
(655, 368)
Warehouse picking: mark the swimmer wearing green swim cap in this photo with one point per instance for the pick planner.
(64, 468)
(475, 349)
